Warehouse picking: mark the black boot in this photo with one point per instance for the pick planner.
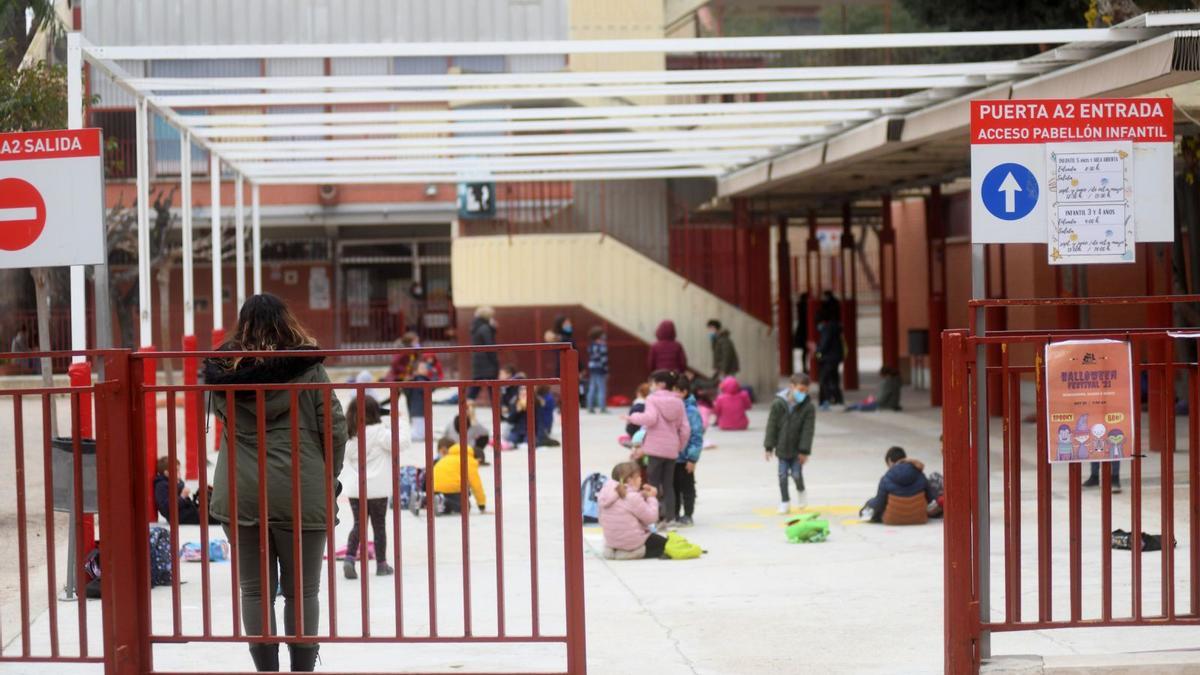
(304, 658)
(266, 657)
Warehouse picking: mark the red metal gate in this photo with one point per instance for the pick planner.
(137, 622)
(971, 588)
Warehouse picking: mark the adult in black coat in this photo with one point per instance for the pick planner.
(484, 365)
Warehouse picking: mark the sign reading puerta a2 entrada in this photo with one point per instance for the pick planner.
(1088, 177)
(51, 199)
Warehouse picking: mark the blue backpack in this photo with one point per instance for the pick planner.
(589, 492)
(161, 568)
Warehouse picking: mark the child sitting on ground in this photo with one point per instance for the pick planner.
(447, 480)
(731, 406)
(187, 503)
(627, 510)
(889, 393)
(475, 432)
(904, 478)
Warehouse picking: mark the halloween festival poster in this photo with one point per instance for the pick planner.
(1089, 400)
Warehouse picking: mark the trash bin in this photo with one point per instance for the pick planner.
(63, 462)
(918, 342)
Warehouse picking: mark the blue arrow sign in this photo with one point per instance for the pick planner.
(1009, 191)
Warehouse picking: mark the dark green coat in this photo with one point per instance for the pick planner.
(310, 414)
(790, 427)
(725, 358)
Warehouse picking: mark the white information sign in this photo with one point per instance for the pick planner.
(1090, 193)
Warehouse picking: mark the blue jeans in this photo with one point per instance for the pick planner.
(790, 467)
(597, 391)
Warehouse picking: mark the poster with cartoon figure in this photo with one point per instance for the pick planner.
(1089, 400)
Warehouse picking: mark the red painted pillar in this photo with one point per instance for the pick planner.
(80, 375)
(997, 320)
(1067, 315)
(935, 235)
(191, 413)
(889, 310)
(784, 305)
(149, 376)
(849, 302)
(813, 272)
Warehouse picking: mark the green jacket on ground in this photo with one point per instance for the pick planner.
(790, 426)
(310, 414)
(725, 358)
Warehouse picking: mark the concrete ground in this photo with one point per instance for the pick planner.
(868, 600)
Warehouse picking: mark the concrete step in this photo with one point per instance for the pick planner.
(1183, 662)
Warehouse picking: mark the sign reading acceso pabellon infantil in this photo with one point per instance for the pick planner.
(1089, 177)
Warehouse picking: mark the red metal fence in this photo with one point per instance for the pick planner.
(1059, 571)
(538, 596)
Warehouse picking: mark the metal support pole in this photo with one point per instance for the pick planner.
(75, 121)
(143, 224)
(191, 404)
(982, 446)
(218, 321)
(256, 237)
(239, 237)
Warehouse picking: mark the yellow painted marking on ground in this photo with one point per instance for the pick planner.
(829, 510)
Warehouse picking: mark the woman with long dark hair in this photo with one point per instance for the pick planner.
(266, 324)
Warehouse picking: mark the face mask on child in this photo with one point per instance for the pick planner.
(800, 396)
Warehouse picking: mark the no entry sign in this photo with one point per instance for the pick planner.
(51, 199)
(1089, 177)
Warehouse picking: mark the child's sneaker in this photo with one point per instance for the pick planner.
(785, 508)
(685, 521)
(348, 569)
(384, 570)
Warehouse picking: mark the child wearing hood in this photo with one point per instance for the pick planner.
(789, 436)
(731, 406)
(639, 404)
(667, 431)
(627, 510)
(905, 477)
(666, 353)
(689, 456)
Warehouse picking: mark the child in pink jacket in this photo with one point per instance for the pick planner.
(667, 431)
(731, 406)
(627, 509)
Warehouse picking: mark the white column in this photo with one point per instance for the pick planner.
(75, 121)
(185, 180)
(239, 238)
(214, 171)
(143, 223)
(256, 237)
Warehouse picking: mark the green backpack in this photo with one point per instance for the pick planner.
(679, 548)
(807, 529)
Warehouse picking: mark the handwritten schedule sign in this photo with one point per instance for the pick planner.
(1091, 189)
(1089, 400)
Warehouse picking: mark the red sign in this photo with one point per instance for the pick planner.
(56, 144)
(1141, 120)
(22, 214)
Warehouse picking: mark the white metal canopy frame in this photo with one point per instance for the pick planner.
(538, 126)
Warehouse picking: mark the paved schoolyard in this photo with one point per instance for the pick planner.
(868, 600)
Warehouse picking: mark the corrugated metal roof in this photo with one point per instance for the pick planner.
(195, 22)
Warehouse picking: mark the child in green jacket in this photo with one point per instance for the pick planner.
(789, 437)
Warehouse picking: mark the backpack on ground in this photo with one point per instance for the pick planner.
(679, 548)
(161, 568)
(590, 492)
(807, 529)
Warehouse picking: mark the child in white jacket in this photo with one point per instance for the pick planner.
(372, 472)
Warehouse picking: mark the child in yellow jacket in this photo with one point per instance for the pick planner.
(447, 481)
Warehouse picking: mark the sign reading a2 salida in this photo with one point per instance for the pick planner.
(51, 199)
(1089, 400)
(1085, 176)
